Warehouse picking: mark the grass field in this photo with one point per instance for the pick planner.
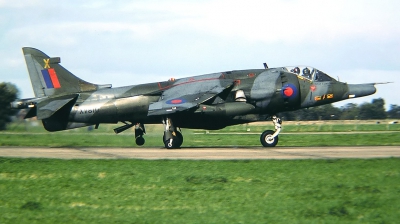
(168, 191)
(293, 134)
(201, 140)
(178, 191)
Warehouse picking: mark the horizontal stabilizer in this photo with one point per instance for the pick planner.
(30, 113)
(47, 107)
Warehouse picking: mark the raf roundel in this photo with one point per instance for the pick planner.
(289, 91)
(176, 101)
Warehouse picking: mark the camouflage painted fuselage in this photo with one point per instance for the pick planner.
(263, 94)
(211, 101)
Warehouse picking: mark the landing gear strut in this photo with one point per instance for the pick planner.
(172, 137)
(270, 138)
(139, 132)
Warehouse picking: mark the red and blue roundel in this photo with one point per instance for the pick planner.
(289, 91)
(176, 101)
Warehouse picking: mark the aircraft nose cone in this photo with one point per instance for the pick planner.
(359, 90)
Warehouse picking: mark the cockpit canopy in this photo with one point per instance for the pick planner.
(309, 73)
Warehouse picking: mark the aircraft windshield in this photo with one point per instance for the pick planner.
(309, 73)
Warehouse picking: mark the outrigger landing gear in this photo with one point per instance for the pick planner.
(270, 138)
(172, 137)
(139, 132)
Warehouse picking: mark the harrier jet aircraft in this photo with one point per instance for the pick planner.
(212, 101)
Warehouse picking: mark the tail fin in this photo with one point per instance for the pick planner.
(48, 77)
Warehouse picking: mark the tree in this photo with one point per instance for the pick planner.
(350, 112)
(324, 112)
(394, 111)
(327, 112)
(8, 93)
(374, 110)
(288, 115)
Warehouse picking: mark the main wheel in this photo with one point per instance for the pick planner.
(168, 145)
(176, 143)
(178, 139)
(267, 140)
(140, 141)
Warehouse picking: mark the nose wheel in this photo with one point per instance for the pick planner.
(269, 138)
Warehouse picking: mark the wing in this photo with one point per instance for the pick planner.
(188, 93)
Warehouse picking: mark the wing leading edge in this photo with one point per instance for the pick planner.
(188, 93)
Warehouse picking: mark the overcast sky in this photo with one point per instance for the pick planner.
(132, 42)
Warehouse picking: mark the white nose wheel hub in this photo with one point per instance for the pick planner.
(270, 138)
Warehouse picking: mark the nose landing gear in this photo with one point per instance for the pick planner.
(269, 138)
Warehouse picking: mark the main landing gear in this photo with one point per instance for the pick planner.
(172, 137)
(270, 138)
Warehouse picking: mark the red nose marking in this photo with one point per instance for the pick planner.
(288, 91)
(313, 88)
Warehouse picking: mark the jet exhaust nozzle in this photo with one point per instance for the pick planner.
(22, 104)
(359, 90)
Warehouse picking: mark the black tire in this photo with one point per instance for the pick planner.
(265, 141)
(140, 141)
(167, 145)
(178, 140)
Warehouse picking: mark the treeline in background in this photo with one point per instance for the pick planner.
(366, 111)
(351, 111)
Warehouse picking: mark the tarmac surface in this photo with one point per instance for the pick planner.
(203, 153)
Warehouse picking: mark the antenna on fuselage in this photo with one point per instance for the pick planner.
(265, 65)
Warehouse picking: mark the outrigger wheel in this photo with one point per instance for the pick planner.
(269, 138)
(139, 132)
(140, 141)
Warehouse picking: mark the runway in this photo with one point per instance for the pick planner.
(203, 153)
